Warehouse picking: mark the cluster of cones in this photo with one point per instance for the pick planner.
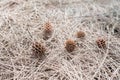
(38, 49)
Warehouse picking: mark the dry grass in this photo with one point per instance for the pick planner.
(21, 24)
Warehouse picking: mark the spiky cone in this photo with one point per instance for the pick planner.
(38, 49)
(80, 34)
(47, 31)
(70, 45)
(101, 43)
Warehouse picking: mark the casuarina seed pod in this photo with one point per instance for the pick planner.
(70, 45)
(38, 49)
(47, 31)
(101, 43)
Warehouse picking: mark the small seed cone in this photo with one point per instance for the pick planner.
(38, 49)
(70, 45)
(101, 43)
(47, 31)
(80, 34)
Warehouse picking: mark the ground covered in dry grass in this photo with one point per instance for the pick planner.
(22, 24)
